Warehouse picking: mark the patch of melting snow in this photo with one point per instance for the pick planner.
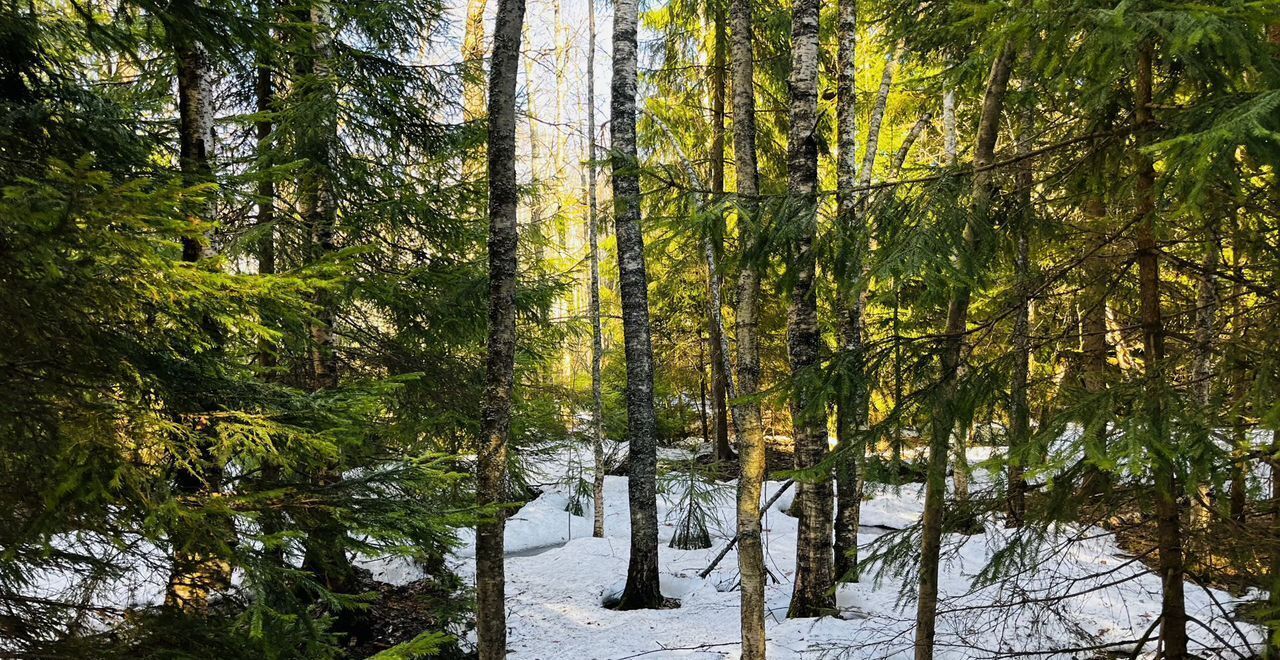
(1079, 590)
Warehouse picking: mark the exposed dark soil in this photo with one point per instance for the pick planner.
(398, 615)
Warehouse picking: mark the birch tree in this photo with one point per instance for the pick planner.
(746, 411)
(812, 593)
(642, 590)
(593, 248)
(851, 408)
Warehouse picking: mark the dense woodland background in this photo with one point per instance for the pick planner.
(288, 286)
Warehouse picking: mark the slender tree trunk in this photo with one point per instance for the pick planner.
(1272, 649)
(537, 166)
(642, 590)
(1173, 617)
(1238, 381)
(900, 158)
(953, 344)
(812, 594)
(747, 416)
(197, 571)
(876, 119)
(325, 546)
(720, 372)
(593, 245)
(473, 59)
(949, 146)
(746, 411)
(264, 92)
(1093, 346)
(491, 459)
(195, 126)
(1019, 407)
(852, 406)
(961, 471)
(1202, 368)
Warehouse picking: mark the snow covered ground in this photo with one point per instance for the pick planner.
(1081, 591)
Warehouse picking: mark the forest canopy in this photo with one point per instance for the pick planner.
(419, 328)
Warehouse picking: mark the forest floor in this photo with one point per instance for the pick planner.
(1074, 592)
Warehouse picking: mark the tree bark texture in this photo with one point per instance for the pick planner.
(1173, 616)
(491, 459)
(642, 590)
(593, 245)
(812, 593)
(852, 405)
(746, 412)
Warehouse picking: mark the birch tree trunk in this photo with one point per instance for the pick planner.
(642, 590)
(1173, 617)
(196, 571)
(811, 595)
(949, 147)
(876, 119)
(491, 459)
(953, 343)
(852, 406)
(593, 246)
(746, 411)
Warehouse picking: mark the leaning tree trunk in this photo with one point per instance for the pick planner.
(875, 121)
(746, 411)
(1173, 616)
(812, 593)
(953, 344)
(593, 245)
(642, 590)
(852, 406)
(712, 246)
(491, 459)
(196, 571)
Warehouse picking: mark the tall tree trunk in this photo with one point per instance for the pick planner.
(538, 168)
(473, 59)
(1238, 380)
(1019, 407)
(1272, 649)
(1202, 368)
(1093, 346)
(197, 571)
(746, 411)
(1173, 616)
(953, 344)
(325, 546)
(812, 593)
(264, 93)
(491, 459)
(713, 245)
(593, 245)
(642, 590)
(852, 406)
